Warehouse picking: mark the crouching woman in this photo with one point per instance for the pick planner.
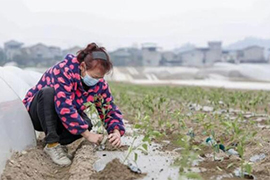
(56, 102)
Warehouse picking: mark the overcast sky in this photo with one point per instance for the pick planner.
(118, 23)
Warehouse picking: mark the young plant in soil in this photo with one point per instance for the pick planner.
(245, 166)
(133, 149)
(188, 156)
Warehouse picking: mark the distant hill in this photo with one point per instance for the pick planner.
(249, 41)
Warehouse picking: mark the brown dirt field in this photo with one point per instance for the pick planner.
(34, 164)
(111, 172)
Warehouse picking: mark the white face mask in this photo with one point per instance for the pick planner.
(89, 81)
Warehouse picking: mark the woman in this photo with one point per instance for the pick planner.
(56, 103)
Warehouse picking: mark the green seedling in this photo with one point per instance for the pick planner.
(143, 147)
(187, 157)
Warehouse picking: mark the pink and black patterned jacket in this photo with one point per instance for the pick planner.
(70, 97)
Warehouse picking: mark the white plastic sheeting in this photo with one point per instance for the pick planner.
(16, 130)
(219, 71)
(258, 72)
(19, 80)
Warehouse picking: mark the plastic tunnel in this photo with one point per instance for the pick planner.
(16, 129)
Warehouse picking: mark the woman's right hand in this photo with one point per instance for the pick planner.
(92, 137)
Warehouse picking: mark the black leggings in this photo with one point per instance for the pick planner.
(44, 118)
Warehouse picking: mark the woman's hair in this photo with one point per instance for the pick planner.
(85, 55)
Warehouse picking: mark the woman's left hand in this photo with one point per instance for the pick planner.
(115, 138)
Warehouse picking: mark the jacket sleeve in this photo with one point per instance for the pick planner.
(63, 85)
(109, 112)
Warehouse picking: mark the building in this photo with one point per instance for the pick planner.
(251, 54)
(151, 55)
(214, 52)
(202, 56)
(130, 56)
(40, 51)
(2, 56)
(12, 48)
(120, 57)
(194, 57)
(136, 56)
(168, 55)
(229, 56)
(169, 58)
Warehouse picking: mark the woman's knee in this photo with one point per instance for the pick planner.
(47, 94)
(47, 91)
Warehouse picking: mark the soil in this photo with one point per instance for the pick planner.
(109, 147)
(115, 170)
(212, 167)
(168, 146)
(82, 165)
(34, 164)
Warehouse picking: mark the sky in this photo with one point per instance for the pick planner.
(122, 23)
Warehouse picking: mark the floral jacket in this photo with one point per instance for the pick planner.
(70, 97)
